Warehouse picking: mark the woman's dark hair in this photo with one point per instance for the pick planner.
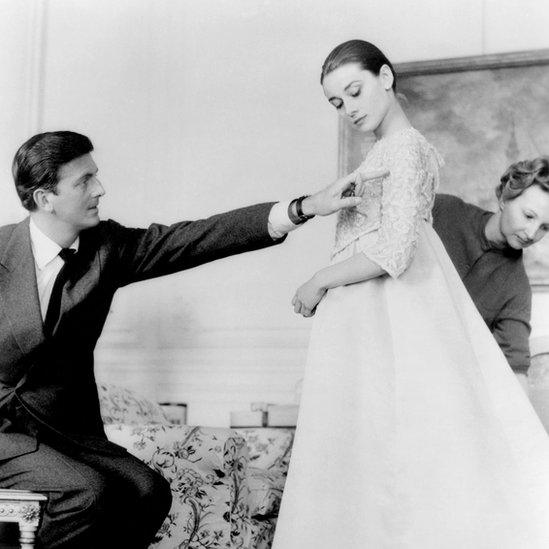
(36, 164)
(521, 175)
(368, 56)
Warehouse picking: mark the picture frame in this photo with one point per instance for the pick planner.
(482, 113)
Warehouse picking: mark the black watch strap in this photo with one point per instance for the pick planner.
(298, 217)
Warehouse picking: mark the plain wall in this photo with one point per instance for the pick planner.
(199, 107)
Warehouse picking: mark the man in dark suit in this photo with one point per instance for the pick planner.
(59, 270)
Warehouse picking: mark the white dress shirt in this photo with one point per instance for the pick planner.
(279, 222)
(46, 262)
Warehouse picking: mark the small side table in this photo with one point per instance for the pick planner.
(25, 508)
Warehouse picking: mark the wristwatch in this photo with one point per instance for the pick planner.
(295, 212)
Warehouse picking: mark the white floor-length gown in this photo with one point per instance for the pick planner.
(413, 431)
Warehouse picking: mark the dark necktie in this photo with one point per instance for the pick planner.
(52, 314)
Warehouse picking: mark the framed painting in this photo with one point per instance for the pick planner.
(482, 113)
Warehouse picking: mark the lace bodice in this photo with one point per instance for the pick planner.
(385, 225)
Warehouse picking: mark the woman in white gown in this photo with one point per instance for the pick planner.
(413, 431)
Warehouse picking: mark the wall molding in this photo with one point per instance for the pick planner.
(120, 337)
(36, 55)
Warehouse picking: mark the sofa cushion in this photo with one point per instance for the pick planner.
(206, 469)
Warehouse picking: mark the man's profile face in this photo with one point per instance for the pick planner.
(76, 198)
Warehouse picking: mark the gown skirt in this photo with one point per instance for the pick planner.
(413, 431)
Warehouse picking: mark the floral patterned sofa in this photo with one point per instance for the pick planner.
(226, 483)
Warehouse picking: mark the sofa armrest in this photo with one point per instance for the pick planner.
(206, 468)
(121, 405)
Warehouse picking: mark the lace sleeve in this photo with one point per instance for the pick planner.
(407, 198)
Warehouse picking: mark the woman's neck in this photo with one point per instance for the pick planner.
(493, 232)
(395, 120)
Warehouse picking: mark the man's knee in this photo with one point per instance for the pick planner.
(163, 494)
(156, 494)
(87, 497)
(147, 503)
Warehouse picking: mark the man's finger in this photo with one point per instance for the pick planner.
(345, 182)
(359, 185)
(350, 201)
(373, 174)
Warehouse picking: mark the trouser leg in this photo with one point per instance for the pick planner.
(138, 501)
(96, 501)
(75, 492)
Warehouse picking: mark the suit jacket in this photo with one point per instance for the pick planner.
(47, 384)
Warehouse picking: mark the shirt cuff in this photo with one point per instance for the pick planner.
(279, 222)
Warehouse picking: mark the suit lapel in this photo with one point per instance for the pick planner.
(18, 289)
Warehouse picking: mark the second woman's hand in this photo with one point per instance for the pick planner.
(307, 297)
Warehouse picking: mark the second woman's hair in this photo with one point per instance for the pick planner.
(521, 175)
(368, 56)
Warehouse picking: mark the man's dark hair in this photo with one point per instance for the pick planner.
(36, 164)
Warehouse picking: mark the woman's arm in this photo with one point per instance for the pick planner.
(355, 269)
(406, 192)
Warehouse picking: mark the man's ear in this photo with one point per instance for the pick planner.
(42, 200)
(387, 77)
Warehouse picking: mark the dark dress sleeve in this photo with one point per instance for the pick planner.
(511, 328)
